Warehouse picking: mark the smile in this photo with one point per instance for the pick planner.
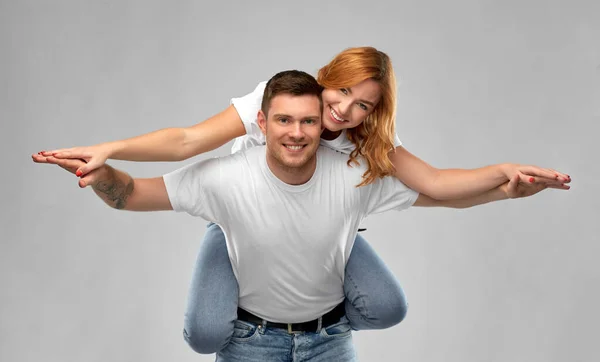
(294, 148)
(335, 116)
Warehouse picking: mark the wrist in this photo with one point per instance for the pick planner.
(503, 191)
(114, 148)
(106, 175)
(507, 170)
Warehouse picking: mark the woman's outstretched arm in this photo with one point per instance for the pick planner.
(452, 184)
(169, 144)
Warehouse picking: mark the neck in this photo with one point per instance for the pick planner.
(292, 175)
(330, 135)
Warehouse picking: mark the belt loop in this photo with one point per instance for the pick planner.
(263, 326)
(319, 324)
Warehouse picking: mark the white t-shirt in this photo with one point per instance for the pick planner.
(288, 245)
(248, 107)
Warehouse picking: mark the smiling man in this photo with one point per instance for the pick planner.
(290, 211)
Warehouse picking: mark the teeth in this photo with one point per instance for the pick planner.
(335, 115)
(294, 148)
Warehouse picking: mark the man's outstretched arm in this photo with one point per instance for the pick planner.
(117, 189)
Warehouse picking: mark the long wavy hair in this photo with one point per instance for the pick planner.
(373, 138)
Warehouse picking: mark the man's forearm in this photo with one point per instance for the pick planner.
(115, 188)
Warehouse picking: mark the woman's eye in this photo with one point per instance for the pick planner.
(344, 90)
(363, 106)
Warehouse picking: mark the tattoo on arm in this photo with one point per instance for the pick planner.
(116, 190)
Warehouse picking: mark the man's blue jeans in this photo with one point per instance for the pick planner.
(374, 297)
(252, 343)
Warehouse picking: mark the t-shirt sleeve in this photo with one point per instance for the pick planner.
(389, 193)
(195, 189)
(397, 141)
(249, 105)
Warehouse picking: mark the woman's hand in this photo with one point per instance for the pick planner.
(515, 188)
(534, 174)
(94, 156)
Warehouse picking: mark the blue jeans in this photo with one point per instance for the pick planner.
(374, 297)
(252, 343)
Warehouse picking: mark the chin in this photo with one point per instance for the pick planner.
(333, 127)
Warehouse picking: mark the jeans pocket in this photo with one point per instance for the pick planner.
(243, 331)
(339, 329)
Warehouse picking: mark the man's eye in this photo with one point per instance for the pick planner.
(344, 90)
(309, 121)
(283, 120)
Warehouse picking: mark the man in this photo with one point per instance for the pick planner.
(290, 211)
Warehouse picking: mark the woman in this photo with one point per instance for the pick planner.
(359, 119)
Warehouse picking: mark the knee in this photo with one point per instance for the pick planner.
(204, 338)
(397, 311)
(391, 310)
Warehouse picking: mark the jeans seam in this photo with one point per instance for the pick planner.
(359, 300)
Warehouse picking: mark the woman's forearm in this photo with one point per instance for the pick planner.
(177, 144)
(163, 145)
(445, 184)
(451, 184)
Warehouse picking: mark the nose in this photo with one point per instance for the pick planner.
(344, 107)
(296, 132)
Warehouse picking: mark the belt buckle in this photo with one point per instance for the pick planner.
(289, 329)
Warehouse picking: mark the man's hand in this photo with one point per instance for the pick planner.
(515, 188)
(72, 165)
(116, 188)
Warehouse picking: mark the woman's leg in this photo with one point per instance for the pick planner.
(213, 296)
(374, 297)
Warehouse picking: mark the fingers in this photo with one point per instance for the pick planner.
(68, 164)
(38, 158)
(562, 176)
(90, 166)
(532, 172)
(560, 187)
(513, 183)
(50, 153)
(72, 153)
(527, 179)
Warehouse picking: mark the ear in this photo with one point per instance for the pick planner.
(261, 119)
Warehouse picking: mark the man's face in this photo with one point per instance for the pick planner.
(292, 129)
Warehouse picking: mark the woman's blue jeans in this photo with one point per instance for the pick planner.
(374, 297)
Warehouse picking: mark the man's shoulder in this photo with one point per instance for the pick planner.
(334, 157)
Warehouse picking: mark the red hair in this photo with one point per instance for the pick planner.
(373, 138)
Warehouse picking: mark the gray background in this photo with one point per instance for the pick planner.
(482, 82)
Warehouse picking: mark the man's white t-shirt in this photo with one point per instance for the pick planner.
(288, 245)
(248, 107)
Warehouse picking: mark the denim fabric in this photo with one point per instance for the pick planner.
(252, 343)
(374, 297)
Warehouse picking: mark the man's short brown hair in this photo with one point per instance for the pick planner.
(294, 82)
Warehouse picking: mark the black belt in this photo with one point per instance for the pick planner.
(327, 319)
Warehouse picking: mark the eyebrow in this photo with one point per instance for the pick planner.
(278, 115)
(362, 100)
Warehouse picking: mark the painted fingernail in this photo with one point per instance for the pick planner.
(531, 179)
(78, 173)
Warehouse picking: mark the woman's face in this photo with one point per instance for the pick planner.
(348, 107)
